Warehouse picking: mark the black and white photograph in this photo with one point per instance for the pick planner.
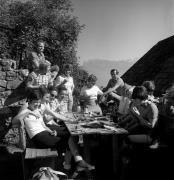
(86, 89)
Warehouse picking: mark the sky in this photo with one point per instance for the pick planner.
(122, 29)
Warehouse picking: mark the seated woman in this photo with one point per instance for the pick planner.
(59, 104)
(45, 109)
(150, 87)
(53, 99)
(89, 95)
(145, 116)
(44, 137)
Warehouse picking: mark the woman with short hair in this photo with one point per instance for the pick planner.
(89, 95)
(145, 116)
(150, 87)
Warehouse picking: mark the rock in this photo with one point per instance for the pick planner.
(13, 84)
(3, 83)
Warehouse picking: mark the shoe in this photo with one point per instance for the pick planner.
(154, 145)
(66, 166)
(82, 166)
(157, 144)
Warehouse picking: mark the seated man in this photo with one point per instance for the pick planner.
(116, 84)
(44, 137)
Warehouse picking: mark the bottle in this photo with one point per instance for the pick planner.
(78, 108)
(85, 110)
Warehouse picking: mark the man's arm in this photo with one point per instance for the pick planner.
(107, 87)
(116, 96)
(117, 84)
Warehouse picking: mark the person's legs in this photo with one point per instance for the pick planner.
(67, 160)
(140, 139)
(45, 140)
(81, 164)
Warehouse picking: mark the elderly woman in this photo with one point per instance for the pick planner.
(89, 95)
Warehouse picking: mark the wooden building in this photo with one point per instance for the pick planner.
(157, 65)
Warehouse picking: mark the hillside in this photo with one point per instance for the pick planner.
(101, 68)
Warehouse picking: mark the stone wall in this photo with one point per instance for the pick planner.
(12, 85)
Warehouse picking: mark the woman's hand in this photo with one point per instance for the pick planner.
(142, 121)
(135, 111)
(53, 133)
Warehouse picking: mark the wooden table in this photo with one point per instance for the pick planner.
(83, 125)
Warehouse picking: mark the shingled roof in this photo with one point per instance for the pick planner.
(157, 65)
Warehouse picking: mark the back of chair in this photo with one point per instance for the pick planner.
(25, 142)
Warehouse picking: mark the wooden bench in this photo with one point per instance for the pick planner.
(25, 149)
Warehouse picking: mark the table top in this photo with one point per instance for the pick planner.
(81, 124)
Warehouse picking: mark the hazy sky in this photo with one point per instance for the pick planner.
(122, 29)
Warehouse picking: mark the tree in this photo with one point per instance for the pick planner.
(50, 20)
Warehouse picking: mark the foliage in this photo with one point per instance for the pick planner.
(50, 20)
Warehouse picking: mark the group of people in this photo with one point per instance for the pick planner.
(50, 96)
(137, 107)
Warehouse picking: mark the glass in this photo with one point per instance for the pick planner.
(78, 109)
(85, 110)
